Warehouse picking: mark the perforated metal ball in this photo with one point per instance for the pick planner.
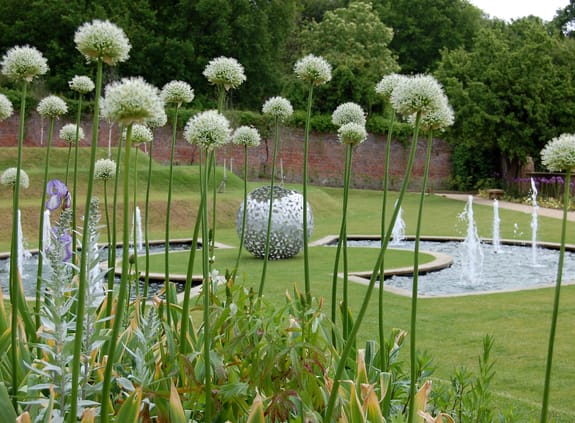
(286, 235)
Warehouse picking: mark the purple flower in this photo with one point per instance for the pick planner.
(58, 195)
(65, 240)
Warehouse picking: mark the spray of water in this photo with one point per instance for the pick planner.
(496, 223)
(398, 231)
(138, 229)
(472, 253)
(534, 223)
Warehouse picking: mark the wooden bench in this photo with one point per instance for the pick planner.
(495, 193)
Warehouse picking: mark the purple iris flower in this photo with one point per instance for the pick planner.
(58, 195)
(65, 240)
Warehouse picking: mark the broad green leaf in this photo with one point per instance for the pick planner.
(257, 411)
(177, 414)
(130, 410)
(7, 413)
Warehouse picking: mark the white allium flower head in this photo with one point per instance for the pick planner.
(225, 71)
(104, 169)
(388, 83)
(559, 153)
(438, 119)
(420, 93)
(247, 136)
(177, 92)
(102, 40)
(68, 133)
(8, 178)
(6, 108)
(313, 69)
(348, 112)
(52, 107)
(23, 63)
(208, 130)
(81, 84)
(158, 120)
(278, 107)
(131, 100)
(140, 134)
(352, 133)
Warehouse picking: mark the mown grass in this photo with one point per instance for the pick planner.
(450, 329)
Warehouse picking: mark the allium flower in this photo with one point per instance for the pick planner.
(58, 195)
(420, 93)
(6, 109)
(246, 135)
(208, 129)
(23, 63)
(278, 107)
(348, 112)
(104, 169)
(140, 134)
(352, 133)
(8, 178)
(52, 107)
(68, 133)
(81, 84)
(158, 120)
(177, 92)
(102, 40)
(225, 71)
(388, 83)
(132, 100)
(438, 119)
(314, 69)
(559, 153)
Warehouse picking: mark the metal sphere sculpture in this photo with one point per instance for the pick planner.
(286, 233)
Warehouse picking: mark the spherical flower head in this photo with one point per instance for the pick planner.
(68, 133)
(352, 133)
(140, 134)
(278, 107)
(6, 108)
(23, 63)
(177, 92)
(8, 178)
(159, 119)
(104, 169)
(81, 84)
(388, 83)
(208, 130)
(102, 40)
(438, 119)
(418, 94)
(348, 112)
(225, 71)
(52, 107)
(313, 69)
(559, 154)
(131, 100)
(247, 136)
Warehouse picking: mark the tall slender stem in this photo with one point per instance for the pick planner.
(146, 228)
(74, 189)
(305, 178)
(244, 211)
(135, 224)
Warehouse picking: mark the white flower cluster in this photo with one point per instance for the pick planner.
(131, 100)
(104, 169)
(225, 71)
(140, 134)
(352, 133)
(6, 108)
(208, 130)
(278, 107)
(313, 69)
(102, 40)
(418, 94)
(68, 133)
(438, 119)
(81, 84)
(23, 63)
(8, 178)
(158, 120)
(247, 136)
(177, 92)
(347, 113)
(559, 153)
(388, 83)
(52, 107)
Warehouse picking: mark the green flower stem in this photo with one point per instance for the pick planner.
(305, 177)
(14, 276)
(118, 318)
(74, 189)
(168, 213)
(244, 212)
(382, 356)
(146, 229)
(270, 210)
(549, 365)
(41, 229)
(83, 280)
(134, 226)
(107, 214)
(349, 344)
(69, 155)
(414, 292)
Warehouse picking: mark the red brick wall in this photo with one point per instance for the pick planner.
(325, 154)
